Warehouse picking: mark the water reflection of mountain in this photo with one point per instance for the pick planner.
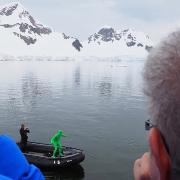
(77, 75)
(25, 96)
(72, 173)
(105, 86)
(33, 89)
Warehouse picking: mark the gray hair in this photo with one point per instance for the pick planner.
(162, 86)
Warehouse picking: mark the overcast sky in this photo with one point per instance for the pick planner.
(81, 18)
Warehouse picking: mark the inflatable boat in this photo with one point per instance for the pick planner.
(40, 154)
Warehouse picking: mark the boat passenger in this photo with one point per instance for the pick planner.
(57, 145)
(162, 87)
(24, 137)
(13, 164)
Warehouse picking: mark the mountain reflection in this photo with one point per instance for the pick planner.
(105, 86)
(33, 89)
(77, 75)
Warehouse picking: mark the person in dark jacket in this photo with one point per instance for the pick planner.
(24, 137)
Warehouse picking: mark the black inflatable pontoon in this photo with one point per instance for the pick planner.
(40, 155)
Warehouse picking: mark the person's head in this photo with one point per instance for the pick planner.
(162, 86)
(59, 132)
(22, 126)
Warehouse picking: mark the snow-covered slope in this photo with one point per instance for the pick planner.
(21, 34)
(108, 42)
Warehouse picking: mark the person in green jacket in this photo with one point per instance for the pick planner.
(56, 142)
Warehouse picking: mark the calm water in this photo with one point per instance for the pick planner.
(99, 105)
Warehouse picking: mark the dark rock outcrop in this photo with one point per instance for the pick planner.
(148, 48)
(131, 43)
(7, 11)
(139, 45)
(27, 39)
(77, 45)
(107, 34)
(65, 36)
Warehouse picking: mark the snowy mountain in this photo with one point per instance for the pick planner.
(108, 42)
(21, 34)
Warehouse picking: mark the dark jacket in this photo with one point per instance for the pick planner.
(24, 137)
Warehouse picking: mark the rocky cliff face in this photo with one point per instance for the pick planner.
(129, 37)
(24, 26)
(108, 42)
(20, 24)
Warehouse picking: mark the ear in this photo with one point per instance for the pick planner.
(160, 154)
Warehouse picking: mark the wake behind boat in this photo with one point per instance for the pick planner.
(40, 154)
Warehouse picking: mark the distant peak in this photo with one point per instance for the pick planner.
(106, 30)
